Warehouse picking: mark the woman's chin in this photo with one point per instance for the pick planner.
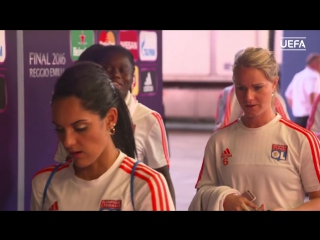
(81, 163)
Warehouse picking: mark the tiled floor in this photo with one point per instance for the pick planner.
(186, 153)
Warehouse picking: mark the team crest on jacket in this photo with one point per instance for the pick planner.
(110, 205)
(225, 156)
(279, 152)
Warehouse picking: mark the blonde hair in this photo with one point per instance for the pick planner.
(258, 58)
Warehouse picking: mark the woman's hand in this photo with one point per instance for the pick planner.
(261, 208)
(237, 203)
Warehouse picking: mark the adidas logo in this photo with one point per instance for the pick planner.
(148, 80)
(226, 153)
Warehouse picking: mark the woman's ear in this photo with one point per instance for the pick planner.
(275, 84)
(111, 118)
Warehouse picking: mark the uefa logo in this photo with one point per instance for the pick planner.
(293, 43)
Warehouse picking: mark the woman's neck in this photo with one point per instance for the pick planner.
(99, 167)
(260, 120)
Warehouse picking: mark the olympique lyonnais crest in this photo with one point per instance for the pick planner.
(110, 205)
(279, 152)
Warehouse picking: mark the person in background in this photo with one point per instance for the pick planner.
(313, 123)
(272, 157)
(149, 130)
(303, 89)
(93, 123)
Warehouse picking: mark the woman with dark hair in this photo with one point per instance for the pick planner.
(149, 130)
(93, 124)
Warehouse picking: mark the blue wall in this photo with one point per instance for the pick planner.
(295, 61)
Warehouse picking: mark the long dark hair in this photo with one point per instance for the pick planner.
(89, 82)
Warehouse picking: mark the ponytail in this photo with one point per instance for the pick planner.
(124, 136)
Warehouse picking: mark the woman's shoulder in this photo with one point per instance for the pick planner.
(225, 129)
(52, 169)
(140, 170)
(142, 111)
(296, 133)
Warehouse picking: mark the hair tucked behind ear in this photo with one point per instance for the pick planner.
(89, 82)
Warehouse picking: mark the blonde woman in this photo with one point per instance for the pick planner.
(274, 158)
(229, 109)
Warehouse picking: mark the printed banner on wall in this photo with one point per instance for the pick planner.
(146, 48)
(8, 121)
(48, 53)
(80, 40)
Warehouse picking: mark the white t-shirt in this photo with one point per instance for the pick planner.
(314, 118)
(230, 110)
(149, 133)
(302, 85)
(280, 106)
(278, 162)
(111, 191)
